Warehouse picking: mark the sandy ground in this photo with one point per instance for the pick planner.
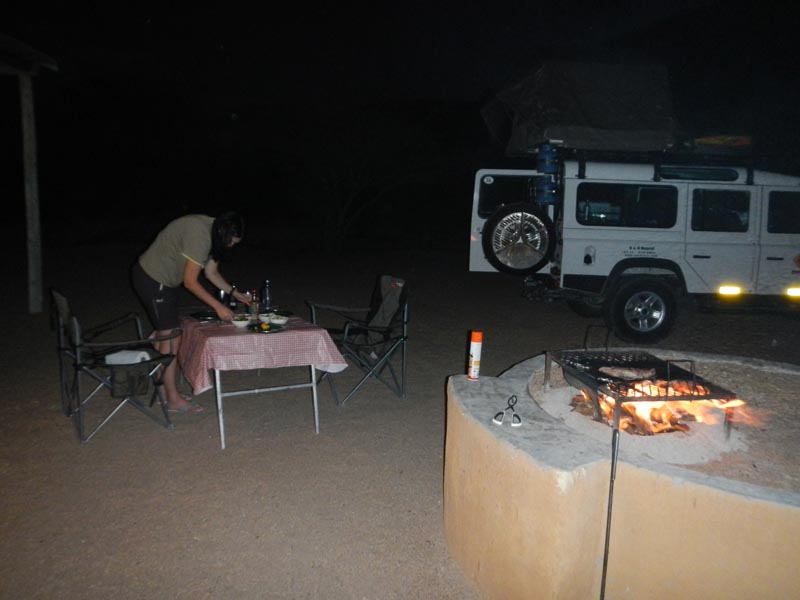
(354, 512)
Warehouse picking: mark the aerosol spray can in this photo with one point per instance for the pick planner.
(474, 365)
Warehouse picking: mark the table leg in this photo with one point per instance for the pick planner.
(314, 396)
(218, 391)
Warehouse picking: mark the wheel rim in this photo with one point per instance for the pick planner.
(520, 240)
(645, 311)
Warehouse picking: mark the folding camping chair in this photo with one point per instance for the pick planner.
(95, 360)
(372, 337)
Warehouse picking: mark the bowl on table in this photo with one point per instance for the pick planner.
(241, 320)
(265, 317)
(276, 319)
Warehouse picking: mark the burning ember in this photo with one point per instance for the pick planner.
(648, 417)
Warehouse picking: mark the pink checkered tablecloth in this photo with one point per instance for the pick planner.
(223, 346)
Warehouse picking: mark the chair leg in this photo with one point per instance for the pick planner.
(356, 388)
(158, 394)
(396, 385)
(64, 372)
(332, 385)
(81, 402)
(77, 408)
(166, 422)
(403, 372)
(104, 421)
(79, 405)
(162, 400)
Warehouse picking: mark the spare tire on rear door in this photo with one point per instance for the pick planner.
(519, 238)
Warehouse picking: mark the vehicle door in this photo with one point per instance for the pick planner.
(721, 236)
(779, 260)
(493, 189)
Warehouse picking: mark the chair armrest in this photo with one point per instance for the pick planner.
(164, 338)
(101, 348)
(121, 344)
(346, 312)
(333, 307)
(97, 330)
(169, 336)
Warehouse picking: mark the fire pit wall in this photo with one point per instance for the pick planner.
(525, 512)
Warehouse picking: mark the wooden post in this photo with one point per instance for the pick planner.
(31, 194)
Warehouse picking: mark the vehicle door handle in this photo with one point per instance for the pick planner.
(774, 258)
(701, 256)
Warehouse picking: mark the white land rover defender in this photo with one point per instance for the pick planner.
(628, 240)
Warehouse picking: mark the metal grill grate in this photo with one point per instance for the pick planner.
(582, 369)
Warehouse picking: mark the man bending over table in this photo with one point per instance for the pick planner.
(185, 247)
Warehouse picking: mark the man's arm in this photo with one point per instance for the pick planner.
(212, 273)
(191, 281)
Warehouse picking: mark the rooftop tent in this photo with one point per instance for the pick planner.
(586, 106)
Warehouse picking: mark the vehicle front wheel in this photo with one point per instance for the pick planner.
(642, 310)
(519, 238)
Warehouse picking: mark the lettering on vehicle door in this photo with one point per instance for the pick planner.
(639, 250)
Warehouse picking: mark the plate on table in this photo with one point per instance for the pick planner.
(264, 328)
(206, 315)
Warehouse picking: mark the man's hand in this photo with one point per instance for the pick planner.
(242, 297)
(224, 313)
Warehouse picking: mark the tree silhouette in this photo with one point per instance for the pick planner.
(359, 167)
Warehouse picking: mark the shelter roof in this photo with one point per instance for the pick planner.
(18, 57)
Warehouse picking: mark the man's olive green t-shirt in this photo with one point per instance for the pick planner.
(185, 238)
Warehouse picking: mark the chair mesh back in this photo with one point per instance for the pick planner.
(69, 329)
(386, 301)
(385, 308)
(62, 307)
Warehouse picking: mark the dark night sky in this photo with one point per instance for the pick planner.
(408, 50)
(167, 104)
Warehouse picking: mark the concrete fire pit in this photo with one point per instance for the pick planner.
(525, 508)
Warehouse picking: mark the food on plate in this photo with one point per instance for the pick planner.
(264, 327)
(628, 373)
(241, 320)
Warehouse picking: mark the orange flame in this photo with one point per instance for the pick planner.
(649, 417)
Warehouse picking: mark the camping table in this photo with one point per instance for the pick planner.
(215, 346)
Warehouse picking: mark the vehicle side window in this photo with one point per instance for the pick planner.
(497, 190)
(627, 205)
(783, 213)
(720, 210)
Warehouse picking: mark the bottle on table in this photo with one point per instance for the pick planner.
(254, 304)
(232, 303)
(266, 300)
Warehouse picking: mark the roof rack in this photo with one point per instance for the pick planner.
(660, 159)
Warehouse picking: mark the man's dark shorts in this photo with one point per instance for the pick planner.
(160, 301)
